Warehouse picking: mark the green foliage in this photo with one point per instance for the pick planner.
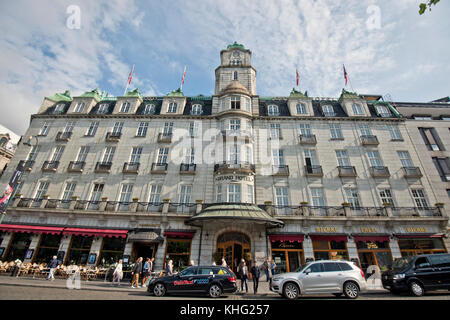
(423, 6)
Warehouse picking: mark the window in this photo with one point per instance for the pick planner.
(282, 196)
(395, 133)
(247, 104)
(155, 193)
(142, 129)
(331, 267)
(273, 110)
(125, 193)
(357, 109)
(109, 154)
(317, 197)
(149, 109)
(178, 251)
(422, 118)
(328, 110)
(342, 158)
(196, 109)
(248, 154)
(335, 131)
(92, 130)
(125, 107)
(79, 107)
(278, 157)
(405, 159)
(275, 131)
(69, 191)
(57, 153)
(103, 108)
(112, 251)
(193, 129)
(352, 197)
(374, 159)
(235, 102)
(168, 128)
(219, 193)
(136, 155)
(59, 108)
(189, 156)
(365, 130)
(235, 124)
(312, 156)
(431, 139)
(317, 267)
(383, 111)
(42, 190)
(234, 193)
(97, 192)
(249, 126)
(443, 167)
(48, 247)
(82, 154)
(172, 107)
(235, 154)
(44, 129)
(301, 108)
(118, 127)
(185, 194)
(249, 194)
(419, 198)
(235, 75)
(305, 129)
(162, 155)
(69, 126)
(386, 196)
(33, 153)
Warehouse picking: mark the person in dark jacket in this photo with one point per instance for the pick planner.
(52, 265)
(136, 272)
(243, 272)
(256, 273)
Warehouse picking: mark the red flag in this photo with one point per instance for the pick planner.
(298, 76)
(131, 75)
(345, 75)
(184, 75)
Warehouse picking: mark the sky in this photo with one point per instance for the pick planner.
(52, 46)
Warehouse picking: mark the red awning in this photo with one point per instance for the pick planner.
(371, 238)
(329, 237)
(96, 232)
(30, 229)
(179, 234)
(286, 237)
(412, 236)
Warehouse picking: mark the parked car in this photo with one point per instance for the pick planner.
(328, 276)
(417, 274)
(212, 280)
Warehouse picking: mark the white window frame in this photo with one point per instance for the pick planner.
(79, 108)
(336, 131)
(125, 108)
(301, 108)
(163, 156)
(343, 158)
(273, 110)
(142, 129)
(92, 130)
(172, 108)
(136, 153)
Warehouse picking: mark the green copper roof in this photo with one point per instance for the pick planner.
(176, 93)
(296, 94)
(387, 104)
(201, 97)
(57, 97)
(96, 94)
(236, 45)
(134, 93)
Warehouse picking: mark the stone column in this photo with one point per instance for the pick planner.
(35, 237)
(64, 246)
(96, 246)
(159, 257)
(308, 248)
(352, 249)
(395, 249)
(6, 242)
(347, 209)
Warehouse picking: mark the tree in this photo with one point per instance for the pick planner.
(423, 6)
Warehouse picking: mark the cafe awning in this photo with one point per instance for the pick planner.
(30, 229)
(371, 238)
(286, 237)
(329, 237)
(179, 234)
(96, 232)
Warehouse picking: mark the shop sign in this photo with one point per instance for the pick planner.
(372, 245)
(416, 229)
(234, 178)
(277, 260)
(368, 230)
(327, 229)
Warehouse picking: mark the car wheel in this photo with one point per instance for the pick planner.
(351, 290)
(337, 294)
(159, 290)
(291, 291)
(215, 291)
(416, 289)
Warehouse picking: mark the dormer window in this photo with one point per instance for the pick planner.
(149, 109)
(235, 103)
(328, 110)
(357, 109)
(196, 109)
(301, 108)
(102, 108)
(59, 108)
(383, 111)
(172, 107)
(125, 107)
(80, 107)
(273, 110)
(235, 62)
(235, 75)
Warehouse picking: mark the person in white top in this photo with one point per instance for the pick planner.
(224, 263)
(118, 274)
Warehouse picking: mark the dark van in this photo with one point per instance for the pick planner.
(418, 274)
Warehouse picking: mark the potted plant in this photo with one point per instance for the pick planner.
(345, 204)
(135, 199)
(304, 203)
(387, 204)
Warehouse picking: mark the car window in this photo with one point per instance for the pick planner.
(316, 267)
(188, 271)
(441, 261)
(205, 271)
(422, 262)
(331, 267)
(221, 271)
(344, 266)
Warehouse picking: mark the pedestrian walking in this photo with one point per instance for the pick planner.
(52, 265)
(273, 267)
(266, 269)
(256, 273)
(169, 268)
(136, 272)
(243, 272)
(118, 273)
(145, 272)
(224, 262)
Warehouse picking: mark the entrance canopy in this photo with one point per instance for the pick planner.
(234, 212)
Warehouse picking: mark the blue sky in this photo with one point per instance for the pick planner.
(387, 47)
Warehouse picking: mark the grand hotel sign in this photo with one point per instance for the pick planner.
(234, 178)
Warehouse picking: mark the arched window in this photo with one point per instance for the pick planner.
(357, 109)
(328, 110)
(235, 75)
(172, 107)
(301, 108)
(149, 109)
(80, 107)
(196, 109)
(273, 110)
(125, 107)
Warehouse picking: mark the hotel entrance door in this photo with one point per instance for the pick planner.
(233, 246)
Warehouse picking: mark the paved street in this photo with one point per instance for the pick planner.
(12, 288)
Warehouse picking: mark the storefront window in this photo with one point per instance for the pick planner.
(48, 248)
(79, 249)
(112, 251)
(288, 256)
(330, 250)
(19, 246)
(411, 247)
(179, 252)
(375, 253)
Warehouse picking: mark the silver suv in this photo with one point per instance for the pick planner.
(336, 277)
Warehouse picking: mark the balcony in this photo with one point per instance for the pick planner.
(103, 167)
(188, 168)
(412, 172)
(369, 141)
(280, 170)
(131, 167)
(313, 171)
(308, 139)
(159, 168)
(27, 165)
(63, 136)
(238, 133)
(411, 212)
(165, 137)
(113, 136)
(228, 167)
(326, 211)
(347, 171)
(50, 166)
(76, 166)
(379, 172)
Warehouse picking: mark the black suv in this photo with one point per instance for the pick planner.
(213, 280)
(418, 274)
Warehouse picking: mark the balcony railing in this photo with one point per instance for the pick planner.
(188, 168)
(76, 166)
(308, 139)
(159, 168)
(50, 166)
(369, 212)
(130, 167)
(182, 208)
(27, 164)
(245, 134)
(63, 136)
(103, 167)
(113, 136)
(313, 171)
(243, 167)
(322, 211)
(416, 212)
(379, 172)
(412, 172)
(347, 171)
(280, 170)
(369, 141)
(165, 137)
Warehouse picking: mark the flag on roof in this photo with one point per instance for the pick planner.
(345, 76)
(131, 75)
(298, 76)
(184, 75)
